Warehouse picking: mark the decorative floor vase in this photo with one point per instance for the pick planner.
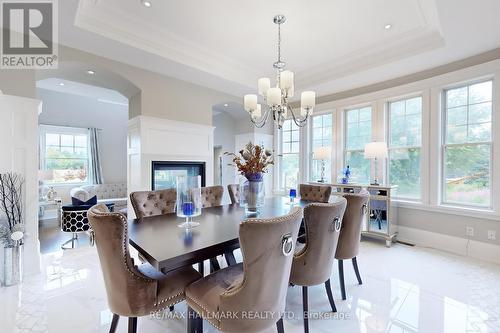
(11, 265)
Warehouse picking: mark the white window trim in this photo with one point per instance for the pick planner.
(374, 120)
(444, 145)
(431, 90)
(309, 143)
(278, 134)
(387, 131)
(43, 129)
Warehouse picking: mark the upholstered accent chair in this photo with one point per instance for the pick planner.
(133, 291)
(315, 193)
(211, 196)
(151, 203)
(313, 264)
(350, 234)
(234, 193)
(258, 285)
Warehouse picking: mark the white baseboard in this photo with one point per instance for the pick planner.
(456, 245)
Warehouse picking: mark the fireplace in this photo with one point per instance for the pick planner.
(164, 173)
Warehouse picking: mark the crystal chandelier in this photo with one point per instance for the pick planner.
(277, 98)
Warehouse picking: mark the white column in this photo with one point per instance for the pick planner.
(19, 151)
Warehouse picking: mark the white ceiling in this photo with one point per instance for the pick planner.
(332, 45)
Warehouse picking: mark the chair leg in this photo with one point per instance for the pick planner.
(279, 326)
(341, 278)
(114, 323)
(195, 322)
(230, 259)
(74, 237)
(214, 265)
(305, 307)
(201, 268)
(132, 325)
(356, 270)
(328, 288)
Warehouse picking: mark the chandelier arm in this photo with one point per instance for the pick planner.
(263, 120)
(298, 121)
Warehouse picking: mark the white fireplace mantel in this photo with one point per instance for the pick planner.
(157, 139)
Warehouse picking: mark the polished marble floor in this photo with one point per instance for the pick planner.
(406, 289)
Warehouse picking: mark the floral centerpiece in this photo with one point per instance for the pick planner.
(252, 162)
(11, 226)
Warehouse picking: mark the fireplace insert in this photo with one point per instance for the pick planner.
(164, 173)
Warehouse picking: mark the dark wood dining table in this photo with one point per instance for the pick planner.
(166, 246)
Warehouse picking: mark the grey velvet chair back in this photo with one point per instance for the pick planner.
(313, 264)
(315, 193)
(152, 203)
(350, 234)
(130, 293)
(267, 246)
(211, 196)
(234, 193)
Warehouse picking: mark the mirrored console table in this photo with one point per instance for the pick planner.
(381, 216)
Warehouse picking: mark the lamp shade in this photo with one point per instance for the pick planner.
(322, 153)
(376, 150)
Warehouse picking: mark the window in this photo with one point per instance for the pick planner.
(358, 130)
(65, 151)
(289, 164)
(467, 145)
(405, 140)
(321, 136)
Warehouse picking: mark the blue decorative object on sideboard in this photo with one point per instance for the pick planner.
(346, 175)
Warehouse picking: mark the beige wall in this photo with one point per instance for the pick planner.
(18, 82)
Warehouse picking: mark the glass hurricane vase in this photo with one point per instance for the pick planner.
(188, 203)
(252, 194)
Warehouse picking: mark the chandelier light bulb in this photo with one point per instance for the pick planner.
(273, 96)
(264, 84)
(286, 79)
(257, 113)
(308, 99)
(250, 102)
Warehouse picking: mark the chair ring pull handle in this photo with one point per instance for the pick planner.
(287, 245)
(364, 209)
(336, 224)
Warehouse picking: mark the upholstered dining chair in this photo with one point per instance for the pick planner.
(257, 286)
(315, 193)
(234, 193)
(133, 291)
(350, 235)
(313, 264)
(211, 196)
(151, 203)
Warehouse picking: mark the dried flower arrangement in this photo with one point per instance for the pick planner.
(11, 193)
(252, 161)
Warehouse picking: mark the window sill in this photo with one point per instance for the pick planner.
(446, 209)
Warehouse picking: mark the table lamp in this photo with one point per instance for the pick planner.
(322, 154)
(376, 151)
